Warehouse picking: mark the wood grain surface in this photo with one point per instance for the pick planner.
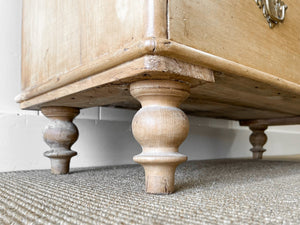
(62, 36)
(237, 31)
(87, 53)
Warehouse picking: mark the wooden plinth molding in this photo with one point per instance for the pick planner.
(60, 134)
(258, 139)
(160, 127)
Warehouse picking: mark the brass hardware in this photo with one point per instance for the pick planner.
(273, 10)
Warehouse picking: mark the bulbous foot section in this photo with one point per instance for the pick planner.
(258, 139)
(60, 134)
(160, 127)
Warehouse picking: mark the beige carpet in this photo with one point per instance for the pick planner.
(208, 192)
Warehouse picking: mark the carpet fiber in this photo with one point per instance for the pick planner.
(207, 192)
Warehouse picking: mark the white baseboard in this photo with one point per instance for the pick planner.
(106, 139)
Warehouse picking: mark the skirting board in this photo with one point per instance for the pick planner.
(106, 139)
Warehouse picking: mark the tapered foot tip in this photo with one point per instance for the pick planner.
(60, 166)
(257, 157)
(257, 154)
(160, 184)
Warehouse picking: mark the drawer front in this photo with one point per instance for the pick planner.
(238, 31)
(61, 36)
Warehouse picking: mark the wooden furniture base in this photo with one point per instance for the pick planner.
(160, 127)
(218, 58)
(258, 138)
(60, 134)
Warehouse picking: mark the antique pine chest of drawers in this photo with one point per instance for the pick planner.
(212, 58)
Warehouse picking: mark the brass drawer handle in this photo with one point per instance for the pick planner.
(273, 10)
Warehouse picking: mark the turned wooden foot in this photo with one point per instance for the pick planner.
(258, 139)
(160, 127)
(60, 134)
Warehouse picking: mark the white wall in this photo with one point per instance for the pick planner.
(105, 133)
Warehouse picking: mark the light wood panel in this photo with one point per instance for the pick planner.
(225, 96)
(237, 31)
(148, 67)
(61, 36)
(118, 95)
(194, 56)
(62, 67)
(55, 52)
(204, 107)
(245, 92)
